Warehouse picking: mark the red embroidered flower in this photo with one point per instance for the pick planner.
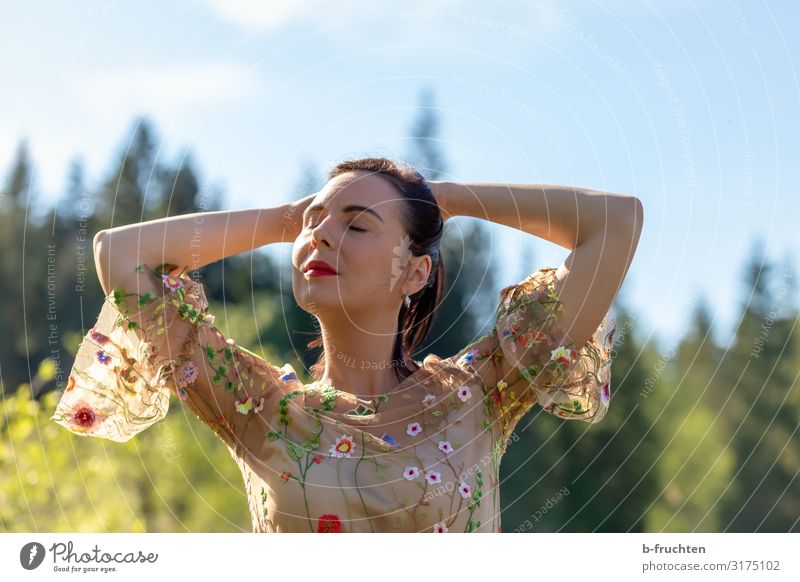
(285, 476)
(318, 459)
(84, 418)
(496, 398)
(98, 337)
(329, 523)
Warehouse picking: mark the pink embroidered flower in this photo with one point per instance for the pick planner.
(433, 477)
(428, 400)
(605, 393)
(171, 282)
(440, 527)
(244, 407)
(343, 447)
(414, 429)
(186, 374)
(464, 393)
(445, 447)
(464, 489)
(411, 473)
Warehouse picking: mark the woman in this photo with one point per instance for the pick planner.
(377, 442)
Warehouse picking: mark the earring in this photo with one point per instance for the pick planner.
(407, 301)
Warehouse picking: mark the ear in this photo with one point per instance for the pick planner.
(418, 270)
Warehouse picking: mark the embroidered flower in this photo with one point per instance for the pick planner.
(428, 400)
(464, 489)
(99, 338)
(464, 393)
(531, 336)
(170, 282)
(186, 374)
(183, 394)
(433, 477)
(605, 393)
(103, 357)
(329, 523)
(496, 399)
(318, 459)
(70, 383)
(246, 406)
(258, 405)
(414, 428)
(445, 447)
(468, 357)
(440, 527)
(289, 377)
(562, 353)
(411, 473)
(343, 447)
(285, 476)
(501, 385)
(84, 418)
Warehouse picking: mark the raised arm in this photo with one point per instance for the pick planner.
(155, 336)
(600, 229)
(191, 240)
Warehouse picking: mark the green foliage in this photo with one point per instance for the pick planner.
(696, 439)
(176, 476)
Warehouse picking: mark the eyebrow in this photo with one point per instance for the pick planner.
(346, 209)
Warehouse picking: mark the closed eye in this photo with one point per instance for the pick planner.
(350, 227)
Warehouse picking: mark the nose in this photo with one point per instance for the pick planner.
(319, 236)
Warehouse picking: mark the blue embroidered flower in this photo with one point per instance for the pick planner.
(103, 357)
(388, 438)
(289, 376)
(468, 357)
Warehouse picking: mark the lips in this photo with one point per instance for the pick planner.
(319, 268)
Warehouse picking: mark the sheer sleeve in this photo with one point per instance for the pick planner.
(159, 341)
(522, 362)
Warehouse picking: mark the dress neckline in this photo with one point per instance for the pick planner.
(316, 384)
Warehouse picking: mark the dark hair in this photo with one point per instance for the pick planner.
(422, 220)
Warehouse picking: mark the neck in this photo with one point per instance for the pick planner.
(360, 362)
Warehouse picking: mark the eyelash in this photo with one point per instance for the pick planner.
(354, 228)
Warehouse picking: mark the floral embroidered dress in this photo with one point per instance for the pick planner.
(423, 457)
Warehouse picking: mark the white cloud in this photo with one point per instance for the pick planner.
(164, 89)
(259, 13)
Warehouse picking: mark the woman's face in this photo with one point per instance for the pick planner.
(354, 223)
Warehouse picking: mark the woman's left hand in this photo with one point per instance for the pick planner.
(440, 194)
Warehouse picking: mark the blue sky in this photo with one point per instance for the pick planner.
(691, 106)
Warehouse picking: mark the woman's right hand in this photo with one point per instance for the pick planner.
(294, 215)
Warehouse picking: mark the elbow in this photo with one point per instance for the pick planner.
(631, 216)
(99, 245)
